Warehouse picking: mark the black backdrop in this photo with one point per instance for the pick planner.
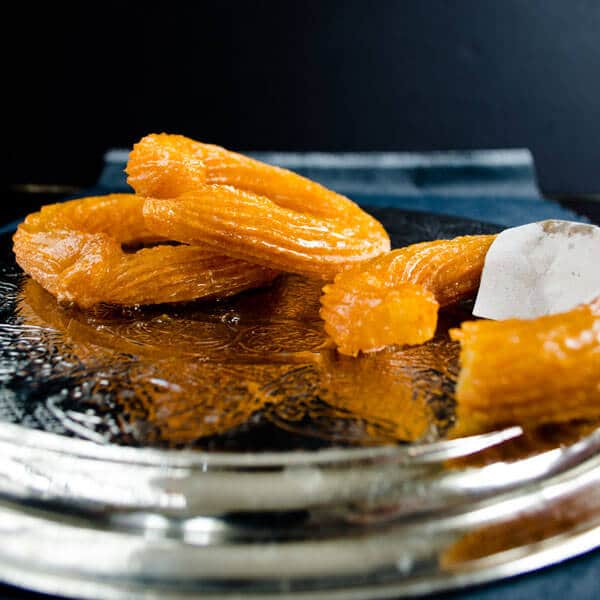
(300, 75)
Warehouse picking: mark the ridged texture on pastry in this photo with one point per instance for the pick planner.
(529, 372)
(203, 194)
(394, 298)
(75, 251)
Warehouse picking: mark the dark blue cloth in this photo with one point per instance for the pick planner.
(497, 186)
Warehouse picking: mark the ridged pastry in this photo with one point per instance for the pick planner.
(75, 251)
(394, 298)
(203, 194)
(529, 372)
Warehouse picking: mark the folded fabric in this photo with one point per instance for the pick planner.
(498, 186)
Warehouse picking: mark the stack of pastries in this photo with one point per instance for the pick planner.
(207, 223)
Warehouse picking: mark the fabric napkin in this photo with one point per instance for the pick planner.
(497, 186)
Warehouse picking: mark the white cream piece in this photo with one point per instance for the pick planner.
(539, 269)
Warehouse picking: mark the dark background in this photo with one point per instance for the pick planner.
(306, 75)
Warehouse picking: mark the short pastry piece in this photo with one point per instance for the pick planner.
(529, 372)
(203, 194)
(75, 250)
(394, 298)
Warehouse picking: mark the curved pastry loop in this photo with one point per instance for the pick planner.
(75, 251)
(529, 372)
(204, 194)
(394, 298)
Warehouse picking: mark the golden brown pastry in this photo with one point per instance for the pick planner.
(75, 250)
(529, 372)
(394, 298)
(203, 194)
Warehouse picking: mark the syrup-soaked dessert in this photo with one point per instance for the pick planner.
(208, 223)
(77, 250)
(529, 371)
(394, 298)
(203, 194)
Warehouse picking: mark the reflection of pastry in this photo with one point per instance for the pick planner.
(532, 441)
(536, 524)
(394, 298)
(207, 368)
(268, 325)
(529, 372)
(395, 392)
(395, 395)
(203, 194)
(147, 372)
(185, 400)
(74, 250)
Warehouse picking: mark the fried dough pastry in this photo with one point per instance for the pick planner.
(75, 250)
(394, 298)
(203, 194)
(529, 372)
